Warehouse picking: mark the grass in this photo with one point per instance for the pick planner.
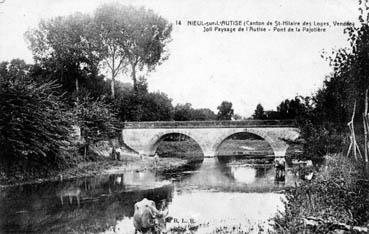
(337, 196)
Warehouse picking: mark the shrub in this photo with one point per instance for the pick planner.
(338, 194)
(34, 126)
(320, 140)
(96, 120)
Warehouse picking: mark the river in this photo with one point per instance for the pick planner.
(209, 197)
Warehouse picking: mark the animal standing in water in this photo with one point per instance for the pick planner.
(280, 167)
(147, 219)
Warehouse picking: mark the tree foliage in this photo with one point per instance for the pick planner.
(332, 105)
(145, 40)
(225, 111)
(259, 112)
(134, 36)
(64, 47)
(185, 112)
(293, 108)
(115, 38)
(203, 114)
(142, 105)
(349, 79)
(96, 120)
(109, 33)
(34, 123)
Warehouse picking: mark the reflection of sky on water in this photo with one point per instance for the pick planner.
(215, 209)
(244, 174)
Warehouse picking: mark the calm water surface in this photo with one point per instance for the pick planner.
(207, 197)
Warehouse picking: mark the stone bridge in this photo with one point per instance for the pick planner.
(144, 137)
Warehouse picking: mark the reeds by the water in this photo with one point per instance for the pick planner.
(337, 199)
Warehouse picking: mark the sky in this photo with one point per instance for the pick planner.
(206, 68)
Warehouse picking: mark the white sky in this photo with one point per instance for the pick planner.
(207, 68)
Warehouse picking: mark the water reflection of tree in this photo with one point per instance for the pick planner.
(103, 202)
(263, 171)
(181, 172)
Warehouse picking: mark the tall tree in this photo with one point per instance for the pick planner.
(142, 105)
(293, 108)
(203, 114)
(259, 112)
(146, 35)
(183, 112)
(116, 37)
(347, 83)
(65, 45)
(225, 111)
(109, 33)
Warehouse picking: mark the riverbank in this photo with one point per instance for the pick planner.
(130, 162)
(335, 201)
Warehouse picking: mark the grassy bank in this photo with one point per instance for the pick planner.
(335, 201)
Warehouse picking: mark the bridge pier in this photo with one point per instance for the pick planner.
(209, 154)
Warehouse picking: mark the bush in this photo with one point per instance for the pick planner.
(97, 121)
(34, 126)
(338, 194)
(320, 140)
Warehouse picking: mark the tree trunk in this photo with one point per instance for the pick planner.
(113, 153)
(365, 122)
(134, 77)
(77, 89)
(85, 153)
(112, 86)
(113, 79)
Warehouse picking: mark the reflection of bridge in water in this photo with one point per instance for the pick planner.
(144, 137)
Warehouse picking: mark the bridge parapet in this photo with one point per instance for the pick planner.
(212, 124)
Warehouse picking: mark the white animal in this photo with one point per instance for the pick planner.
(147, 219)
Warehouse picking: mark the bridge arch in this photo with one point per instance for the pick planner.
(217, 145)
(156, 140)
(279, 147)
